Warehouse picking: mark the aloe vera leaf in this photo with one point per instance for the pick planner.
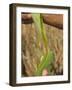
(46, 62)
(43, 32)
(38, 20)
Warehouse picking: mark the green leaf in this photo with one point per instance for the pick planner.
(43, 32)
(38, 21)
(46, 62)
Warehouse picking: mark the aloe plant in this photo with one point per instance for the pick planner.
(48, 57)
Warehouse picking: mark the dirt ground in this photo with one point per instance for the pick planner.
(31, 53)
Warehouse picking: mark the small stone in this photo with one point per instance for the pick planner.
(45, 72)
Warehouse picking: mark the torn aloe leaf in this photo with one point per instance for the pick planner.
(46, 62)
(38, 21)
(43, 32)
